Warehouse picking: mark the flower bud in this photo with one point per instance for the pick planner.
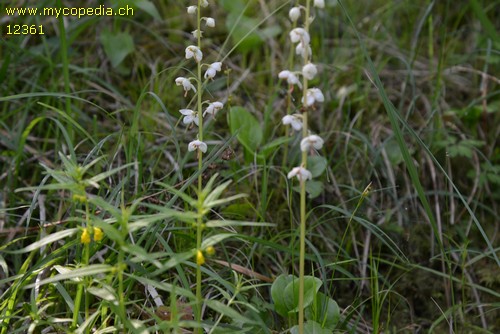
(294, 14)
(200, 259)
(85, 238)
(210, 22)
(210, 250)
(309, 71)
(98, 234)
(319, 3)
(192, 9)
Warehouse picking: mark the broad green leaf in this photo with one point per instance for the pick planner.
(316, 165)
(311, 287)
(247, 128)
(117, 46)
(323, 310)
(278, 294)
(311, 327)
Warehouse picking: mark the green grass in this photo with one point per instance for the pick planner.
(411, 107)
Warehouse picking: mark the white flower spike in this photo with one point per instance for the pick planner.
(319, 3)
(197, 145)
(309, 71)
(213, 108)
(181, 81)
(194, 52)
(190, 116)
(301, 173)
(213, 69)
(292, 120)
(300, 35)
(312, 140)
(294, 14)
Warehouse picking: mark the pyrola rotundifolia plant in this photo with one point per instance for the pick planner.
(311, 96)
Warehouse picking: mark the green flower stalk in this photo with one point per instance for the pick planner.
(195, 117)
(300, 37)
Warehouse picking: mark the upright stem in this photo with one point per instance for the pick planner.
(305, 133)
(199, 225)
(81, 286)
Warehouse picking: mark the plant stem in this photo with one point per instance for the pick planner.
(81, 285)
(199, 300)
(305, 132)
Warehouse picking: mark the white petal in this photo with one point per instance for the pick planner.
(188, 119)
(300, 35)
(284, 74)
(296, 124)
(312, 140)
(217, 66)
(301, 173)
(318, 95)
(186, 112)
(192, 9)
(210, 73)
(203, 147)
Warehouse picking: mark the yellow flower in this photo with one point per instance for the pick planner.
(85, 238)
(210, 250)
(98, 235)
(200, 259)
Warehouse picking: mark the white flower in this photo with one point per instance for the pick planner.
(210, 22)
(204, 3)
(300, 35)
(213, 108)
(190, 116)
(213, 69)
(290, 77)
(312, 140)
(197, 33)
(304, 52)
(301, 173)
(319, 3)
(313, 95)
(185, 83)
(293, 120)
(294, 14)
(192, 9)
(194, 52)
(197, 145)
(309, 71)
